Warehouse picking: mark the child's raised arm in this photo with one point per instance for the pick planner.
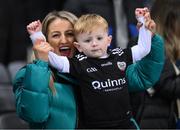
(34, 30)
(60, 63)
(144, 40)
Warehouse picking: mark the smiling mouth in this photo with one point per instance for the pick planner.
(65, 51)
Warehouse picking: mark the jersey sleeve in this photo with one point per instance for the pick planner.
(144, 43)
(37, 35)
(128, 55)
(61, 63)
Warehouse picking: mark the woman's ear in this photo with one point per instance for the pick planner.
(76, 44)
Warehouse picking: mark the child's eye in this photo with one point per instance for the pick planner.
(99, 38)
(87, 41)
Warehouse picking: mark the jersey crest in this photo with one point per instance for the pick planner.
(121, 65)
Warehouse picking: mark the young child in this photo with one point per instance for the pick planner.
(100, 72)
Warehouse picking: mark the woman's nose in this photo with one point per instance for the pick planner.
(63, 39)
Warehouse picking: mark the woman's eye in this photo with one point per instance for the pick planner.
(55, 36)
(70, 34)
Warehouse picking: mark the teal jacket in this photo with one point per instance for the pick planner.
(146, 72)
(36, 104)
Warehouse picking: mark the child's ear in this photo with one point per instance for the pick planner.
(76, 44)
(109, 39)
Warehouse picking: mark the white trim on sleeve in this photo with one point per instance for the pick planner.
(37, 35)
(61, 63)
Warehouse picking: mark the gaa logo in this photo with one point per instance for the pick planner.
(91, 69)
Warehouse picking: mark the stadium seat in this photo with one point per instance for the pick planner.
(4, 75)
(8, 116)
(13, 67)
(10, 120)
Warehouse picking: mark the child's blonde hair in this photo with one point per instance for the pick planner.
(87, 23)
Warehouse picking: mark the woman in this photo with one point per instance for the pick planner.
(45, 98)
(58, 111)
(156, 107)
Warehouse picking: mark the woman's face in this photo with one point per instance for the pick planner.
(61, 37)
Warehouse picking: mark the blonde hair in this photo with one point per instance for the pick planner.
(65, 15)
(167, 19)
(89, 22)
(50, 17)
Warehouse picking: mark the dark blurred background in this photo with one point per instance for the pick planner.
(16, 14)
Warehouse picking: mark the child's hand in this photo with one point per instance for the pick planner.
(140, 12)
(34, 27)
(149, 23)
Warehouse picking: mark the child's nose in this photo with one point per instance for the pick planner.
(94, 43)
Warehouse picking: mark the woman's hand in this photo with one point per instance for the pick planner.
(41, 49)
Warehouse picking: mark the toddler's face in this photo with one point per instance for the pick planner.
(94, 43)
